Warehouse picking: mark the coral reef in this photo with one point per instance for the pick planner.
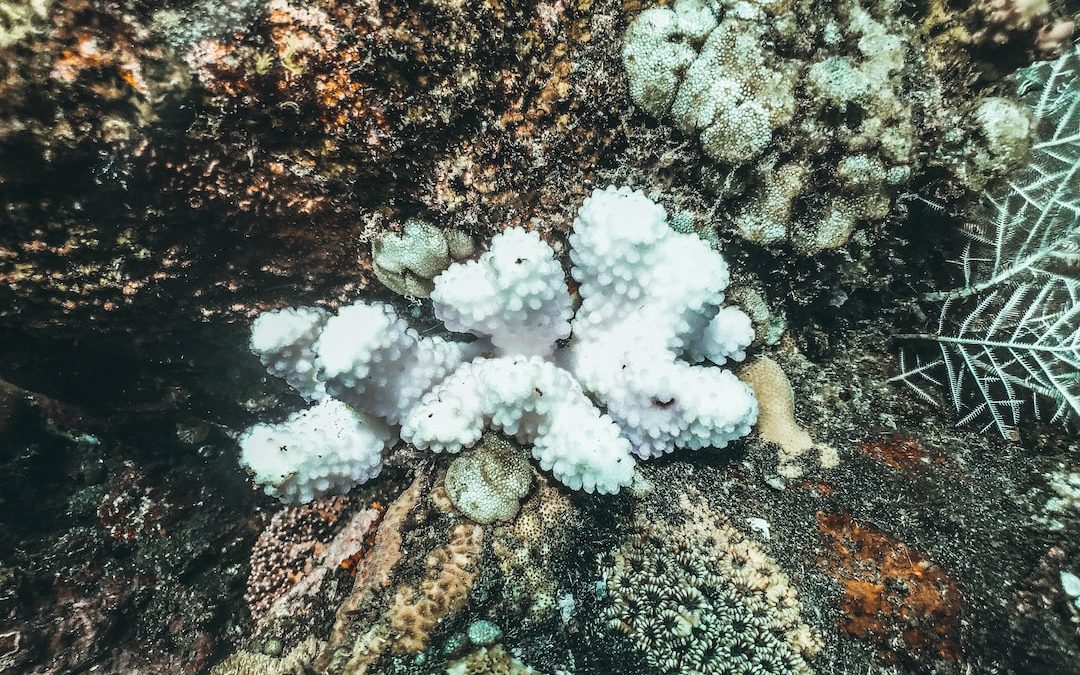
(326, 448)
(296, 549)
(702, 598)
(21, 19)
(900, 452)
(988, 39)
(776, 421)
(113, 558)
(451, 571)
(1047, 607)
(135, 507)
(360, 634)
(644, 308)
(489, 661)
(1066, 499)
(737, 74)
(1008, 336)
(484, 633)
(1002, 132)
(1026, 25)
(711, 77)
(257, 663)
(171, 170)
(892, 593)
(529, 552)
(406, 262)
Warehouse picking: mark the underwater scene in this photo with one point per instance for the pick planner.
(562, 337)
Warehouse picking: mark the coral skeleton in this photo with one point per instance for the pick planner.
(651, 314)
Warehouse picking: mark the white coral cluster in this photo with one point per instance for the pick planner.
(651, 313)
(325, 449)
(651, 310)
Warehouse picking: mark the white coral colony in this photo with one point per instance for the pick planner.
(651, 314)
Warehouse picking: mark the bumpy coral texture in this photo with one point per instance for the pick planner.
(699, 598)
(286, 548)
(488, 482)
(531, 552)
(406, 262)
(326, 449)
(736, 73)
(489, 661)
(451, 572)
(651, 314)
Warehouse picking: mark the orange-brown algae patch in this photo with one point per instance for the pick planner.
(351, 562)
(893, 595)
(818, 486)
(900, 452)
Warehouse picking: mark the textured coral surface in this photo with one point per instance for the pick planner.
(170, 170)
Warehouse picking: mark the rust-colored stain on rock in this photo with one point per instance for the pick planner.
(893, 595)
(900, 452)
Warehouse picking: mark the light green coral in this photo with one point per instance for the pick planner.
(769, 325)
(488, 482)
(734, 72)
(406, 262)
(731, 90)
(484, 632)
(999, 139)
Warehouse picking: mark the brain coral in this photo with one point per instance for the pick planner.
(651, 313)
(803, 107)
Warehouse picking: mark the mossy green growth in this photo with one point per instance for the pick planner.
(407, 261)
(685, 223)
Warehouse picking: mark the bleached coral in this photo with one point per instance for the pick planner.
(535, 402)
(625, 255)
(325, 449)
(371, 359)
(283, 339)
(651, 312)
(514, 295)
